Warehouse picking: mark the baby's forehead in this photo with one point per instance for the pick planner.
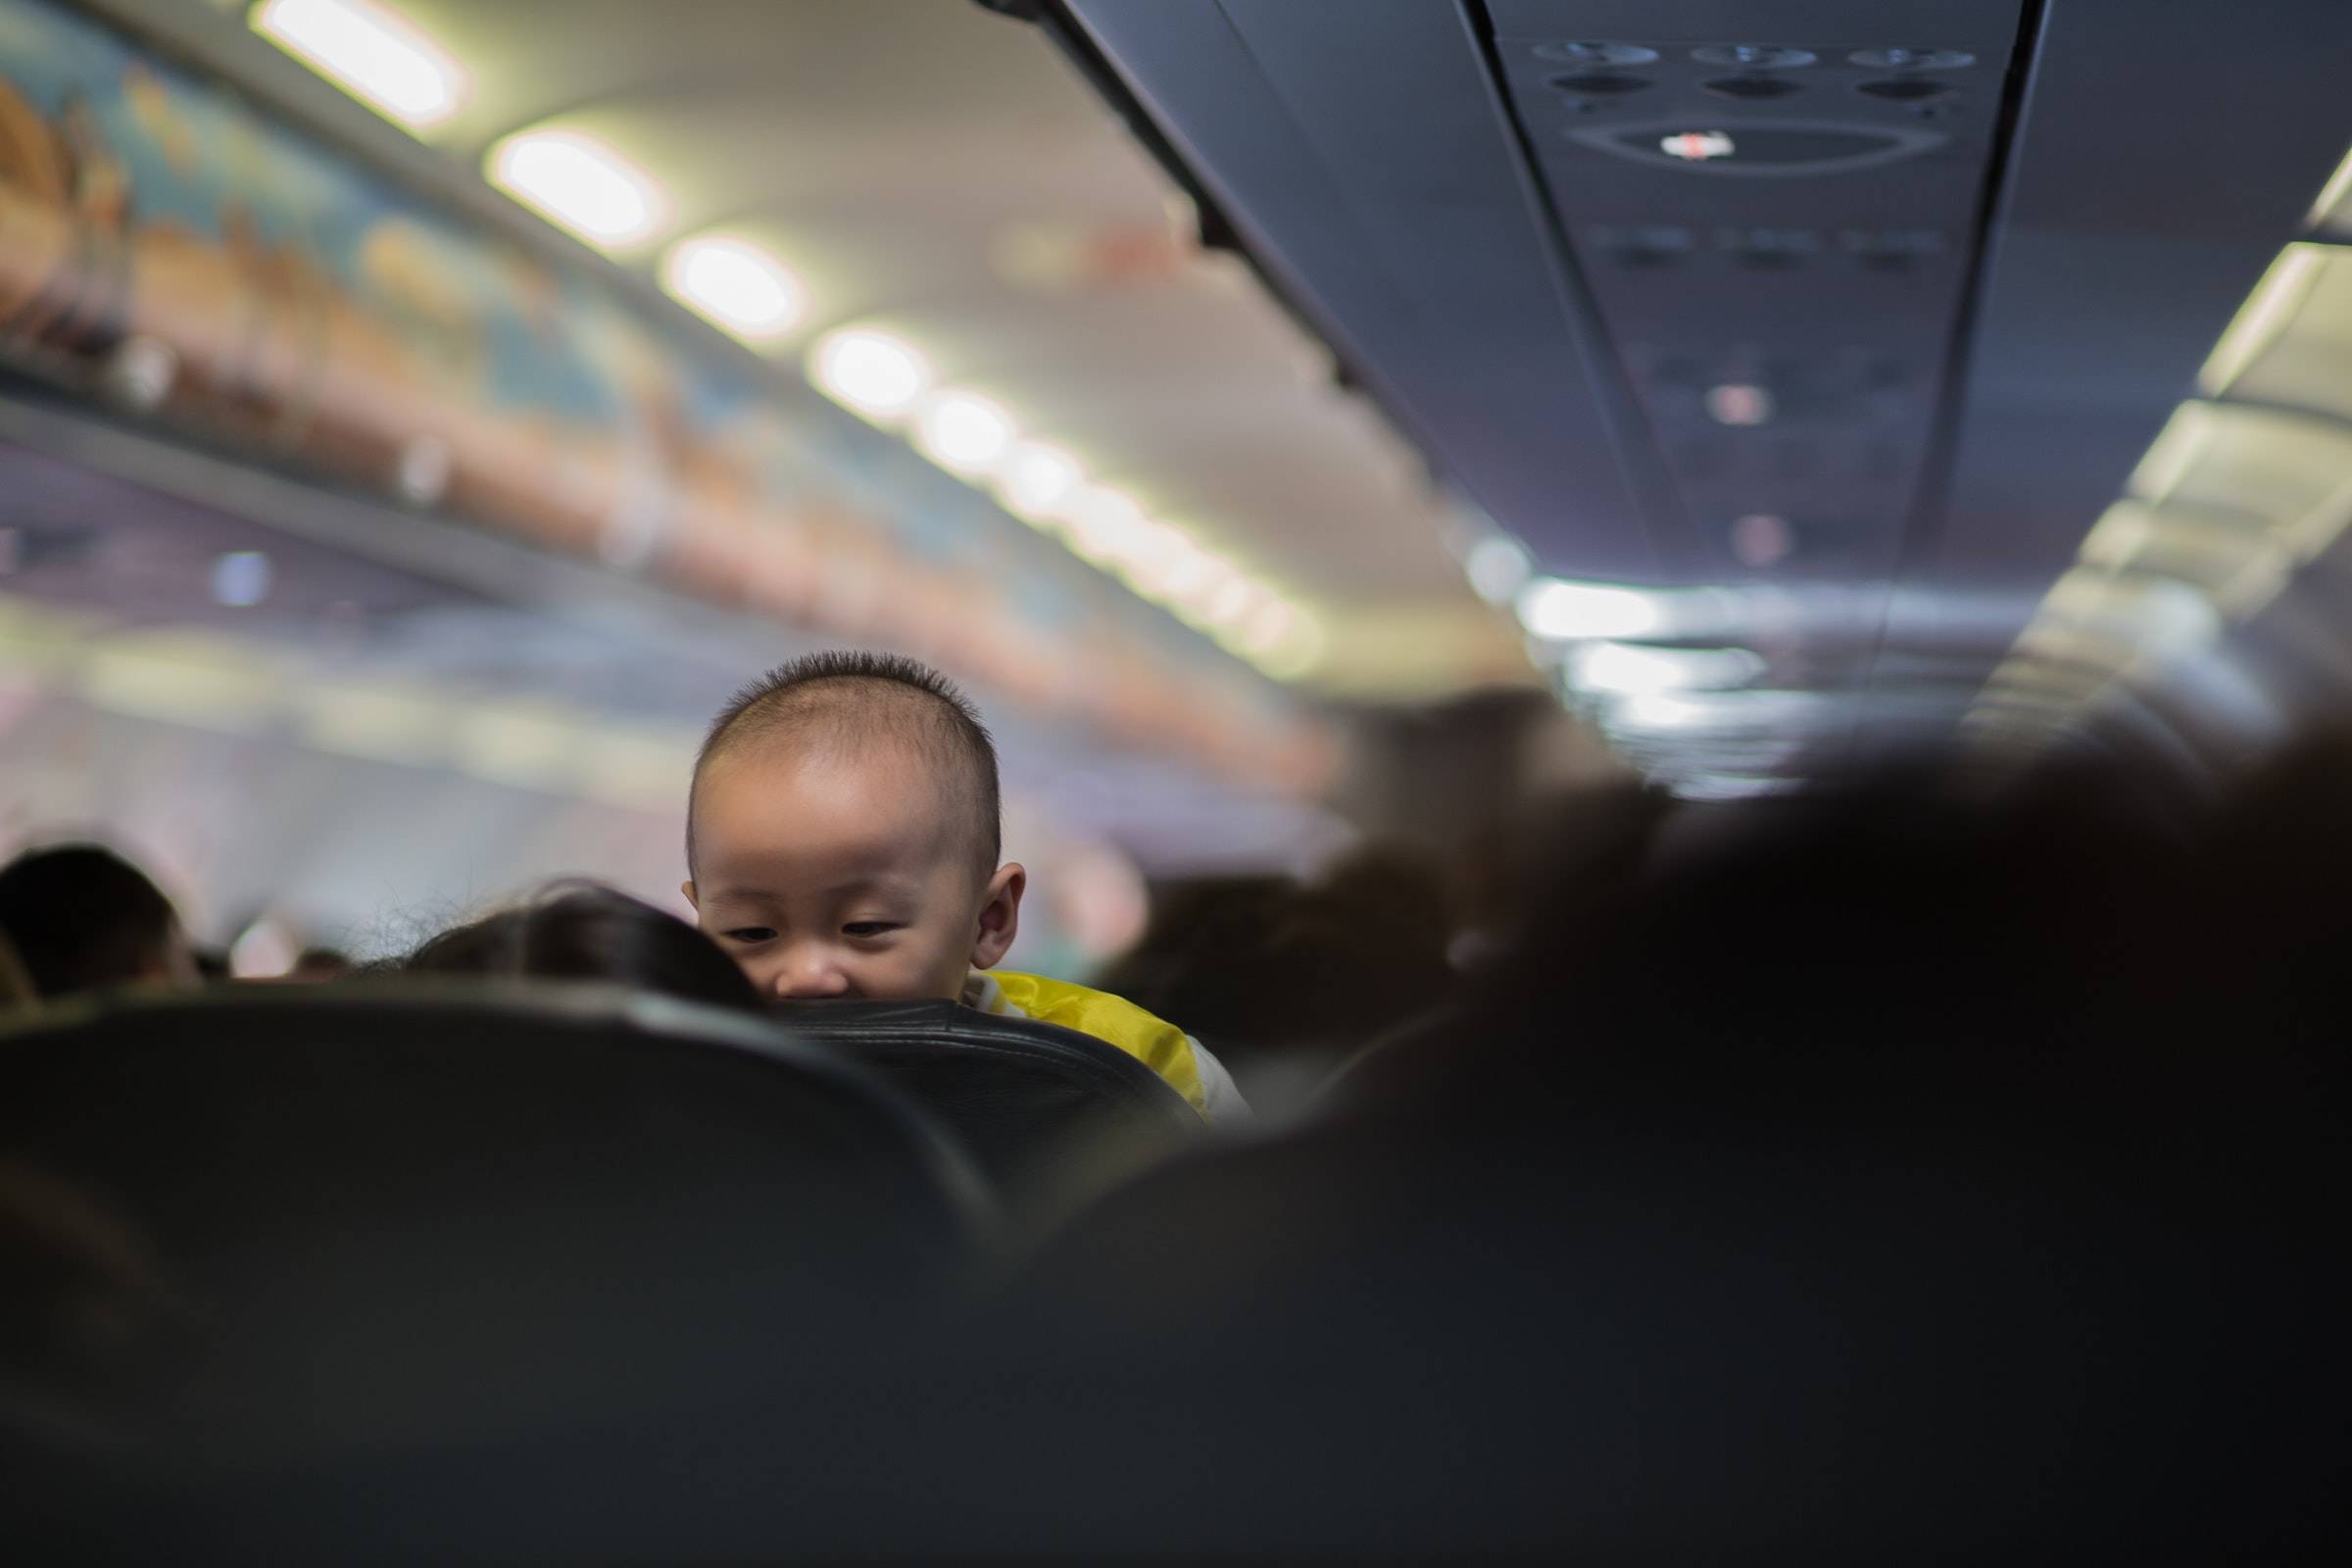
(890, 760)
(883, 795)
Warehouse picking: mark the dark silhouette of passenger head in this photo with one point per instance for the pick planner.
(1205, 955)
(315, 965)
(581, 931)
(80, 917)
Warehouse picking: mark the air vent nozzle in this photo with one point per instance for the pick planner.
(1601, 84)
(1751, 88)
(1753, 56)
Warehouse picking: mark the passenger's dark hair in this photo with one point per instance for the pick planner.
(854, 696)
(583, 931)
(81, 916)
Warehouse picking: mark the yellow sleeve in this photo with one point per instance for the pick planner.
(1155, 1042)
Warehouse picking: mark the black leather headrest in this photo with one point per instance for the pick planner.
(1046, 1110)
(412, 1208)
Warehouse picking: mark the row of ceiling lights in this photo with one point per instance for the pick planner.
(584, 186)
(889, 381)
(1595, 631)
(1691, 716)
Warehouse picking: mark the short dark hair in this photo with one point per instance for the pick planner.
(586, 931)
(856, 694)
(81, 916)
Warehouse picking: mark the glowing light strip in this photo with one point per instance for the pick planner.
(371, 52)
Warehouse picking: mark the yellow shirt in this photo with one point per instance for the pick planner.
(1159, 1045)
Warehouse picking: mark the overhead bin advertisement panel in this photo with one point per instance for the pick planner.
(191, 259)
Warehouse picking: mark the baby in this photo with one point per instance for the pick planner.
(842, 837)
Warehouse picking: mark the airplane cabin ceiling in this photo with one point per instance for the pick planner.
(928, 165)
(1855, 313)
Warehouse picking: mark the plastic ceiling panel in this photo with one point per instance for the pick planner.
(2279, 465)
(2306, 362)
(2136, 220)
(1833, 285)
(1704, 22)
(2182, 542)
(1357, 144)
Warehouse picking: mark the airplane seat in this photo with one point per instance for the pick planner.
(1052, 1115)
(1588, 1332)
(386, 1220)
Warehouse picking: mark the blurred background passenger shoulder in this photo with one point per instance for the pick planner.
(80, 917)
(581, 931)
(16, 984)
(1283, 978)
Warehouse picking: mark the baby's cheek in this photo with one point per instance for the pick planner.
(891, 976)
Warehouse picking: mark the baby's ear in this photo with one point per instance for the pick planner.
(1000, 916)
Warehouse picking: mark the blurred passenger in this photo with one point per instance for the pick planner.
(1587, 843)
(15, 986)
(1288, 980)
(1201, 955)
(842, 837)
(1811, 946)
(2275, 878)
(584, 932)
(1861, 1175)
(83, 919)
(315, 965)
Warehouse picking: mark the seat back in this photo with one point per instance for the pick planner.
(415, 1215)
(1050, 1114)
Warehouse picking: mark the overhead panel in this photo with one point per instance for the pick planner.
(1774, 207)
(1673, 292)
(2163, 156)
(1358, 147)
(1859, 314)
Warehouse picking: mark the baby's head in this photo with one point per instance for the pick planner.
(843, 832)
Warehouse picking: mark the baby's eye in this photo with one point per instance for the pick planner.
(868, 928)
(749, 933)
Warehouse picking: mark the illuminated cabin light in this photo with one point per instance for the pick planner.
(1039, 480)
(1654, 711)
(1633, 671)
(1497, 566)
(1174, 569)
(1152, 550)
(576, 180)
(1196, 585)
(872, 372)
(963, 432)
(374, 53)
(735, 285)
(1762, 539)
(1190, 572)
(2268, 311)
(1698, 146)
(1730, 786)
(1739, 403)
(1300, 652)
(242, 578)
(1233, 601)
(1104, 524)
(1552, 607)
(1268, 627)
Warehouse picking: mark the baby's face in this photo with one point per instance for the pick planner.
(844, 876)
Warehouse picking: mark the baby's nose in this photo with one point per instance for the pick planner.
(810, 975)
